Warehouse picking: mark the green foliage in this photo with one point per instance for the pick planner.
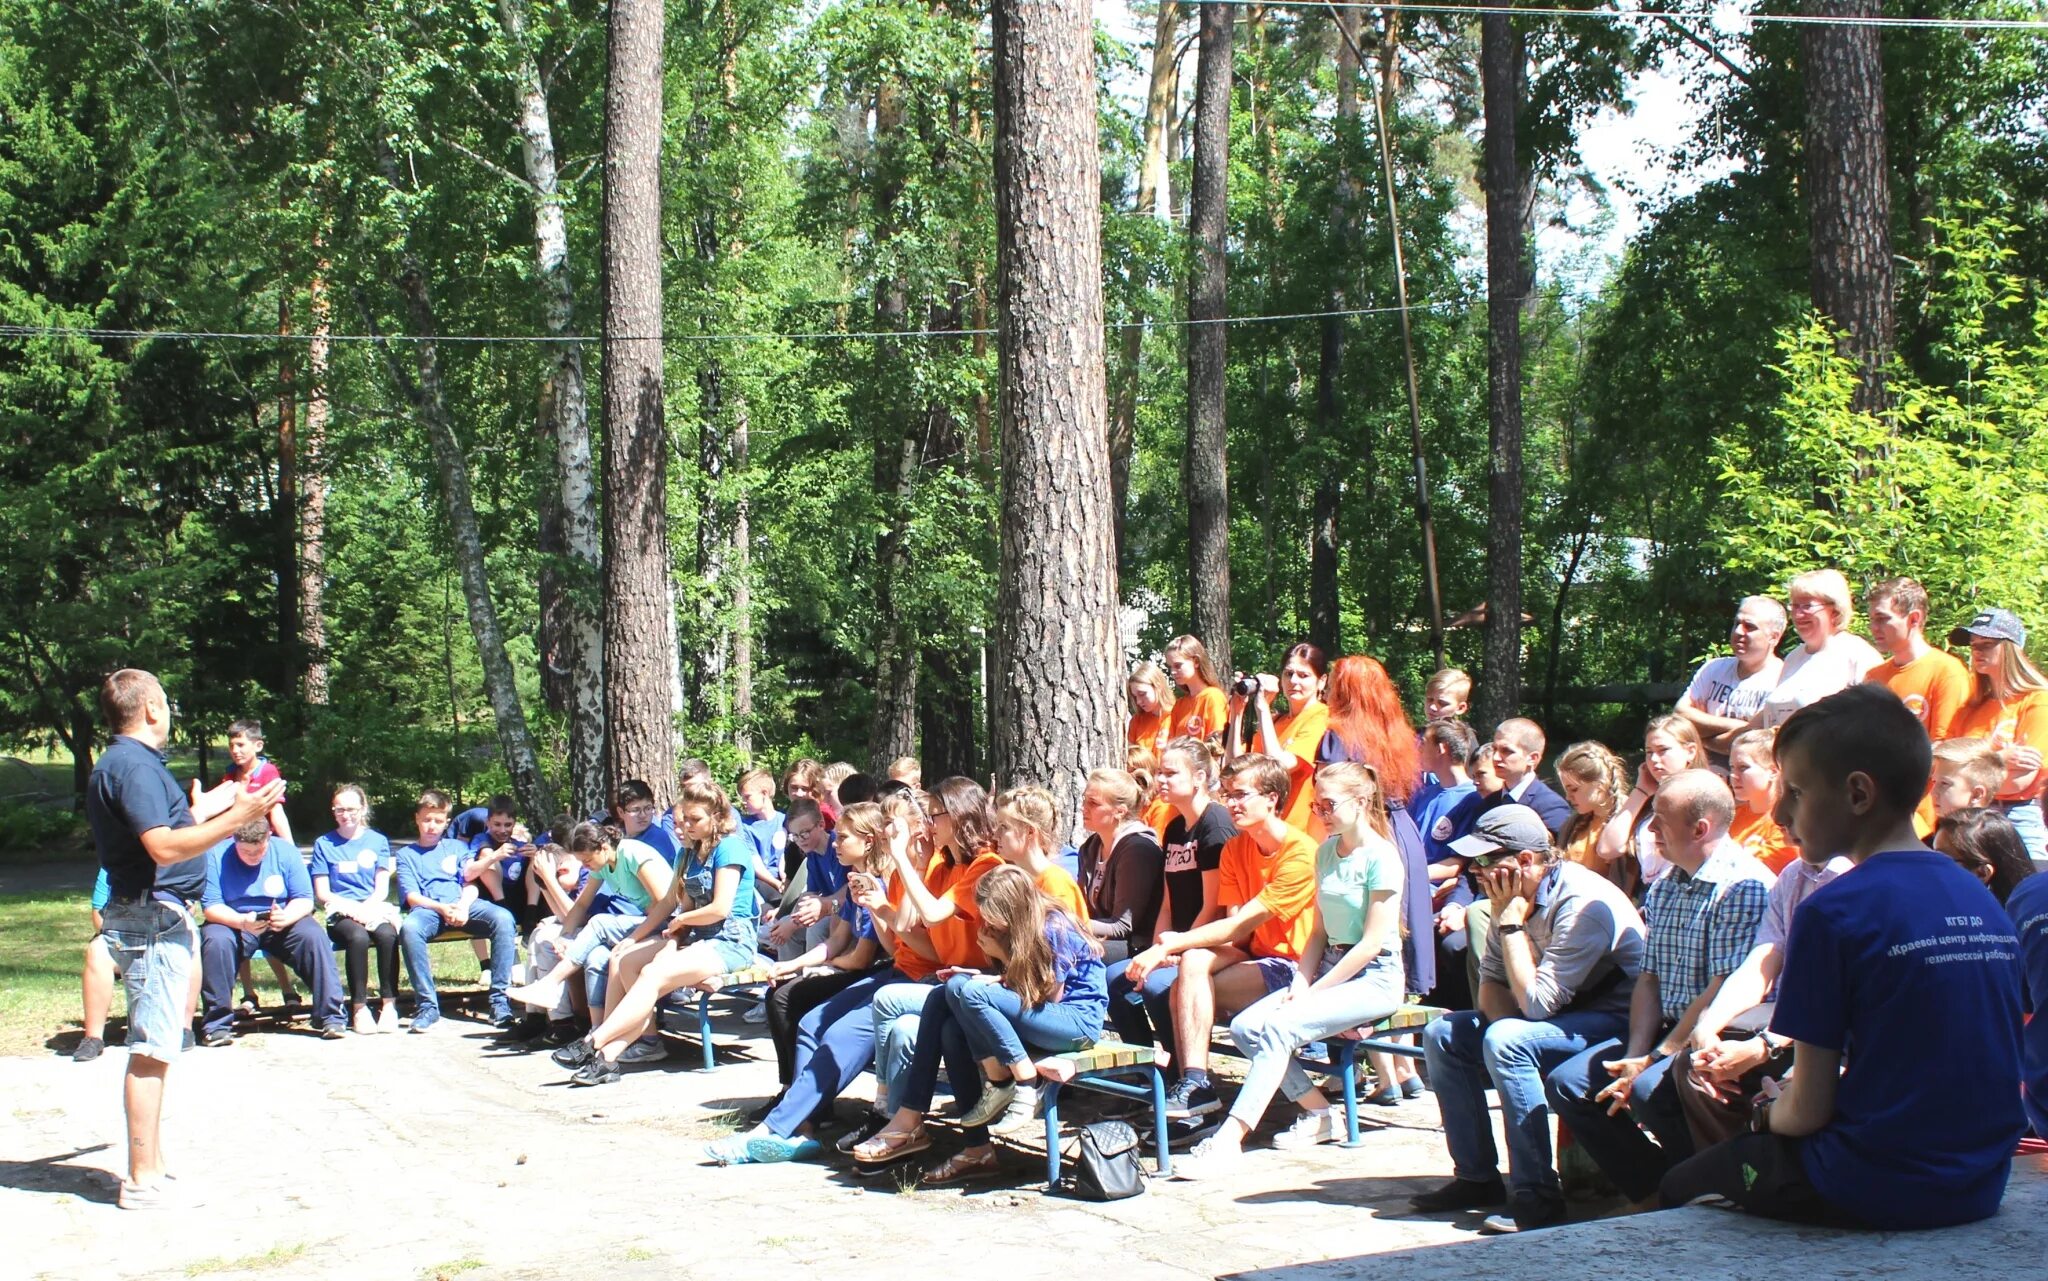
(39, 828)
(1946, 485)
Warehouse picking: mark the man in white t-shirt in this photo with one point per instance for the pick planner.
(1726, 692)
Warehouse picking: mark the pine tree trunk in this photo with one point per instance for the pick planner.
(579, 567)
(1507, 279)
(1057, 687)
(313, 490)
(1154, 198)
(709, 661)
(1325, 628)
(1208, 340)
(1848, 190)
(640, 660)
(892, 731)
(287, 513)
(742, 590)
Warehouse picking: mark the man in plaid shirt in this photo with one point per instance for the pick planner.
(1621, 1099)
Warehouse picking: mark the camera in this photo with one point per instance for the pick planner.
(1245, 686)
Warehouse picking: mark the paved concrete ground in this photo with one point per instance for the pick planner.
(425, 1157)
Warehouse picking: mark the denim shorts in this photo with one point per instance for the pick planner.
(1277, 971)
(153, 945)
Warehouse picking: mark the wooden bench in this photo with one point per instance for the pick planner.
(1340, 1054)
(680, 1013)
(1101, 1068)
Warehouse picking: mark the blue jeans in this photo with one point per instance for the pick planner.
(969, 1020)
(486, 920)
(1141, 1013)
(154, 946)
(835, 1042)
(2026, 820)
(1618, 1143)
(897, 1010)
(1466, 1055)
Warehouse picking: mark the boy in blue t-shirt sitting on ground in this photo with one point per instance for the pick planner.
(258, 895)
(1906, 953)
(437, 887)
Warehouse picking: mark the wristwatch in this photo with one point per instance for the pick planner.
(1760, 1116)
(1507, 929)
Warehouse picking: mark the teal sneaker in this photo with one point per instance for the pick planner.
(773, 1149)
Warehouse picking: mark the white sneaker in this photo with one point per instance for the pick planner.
(364, 1023)
(542, 995)
(644, 1051)
(387, 1018)
(756, 1013)
(1309, 1130)
(166, 1193)
(1212, 1158)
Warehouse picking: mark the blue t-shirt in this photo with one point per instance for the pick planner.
(1434, 818)
(130, 792)
(823, 872)
(351, 866)
(1084, 981)
(468, 823)
(276, 879)
(102, 892)
(662, 840)
(1910, 952)
(859, 919)
(512, 866)
(697, 885)
(766, 834)
(432, 873)
(2028, 908)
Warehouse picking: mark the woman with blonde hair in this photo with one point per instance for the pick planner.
(1830, 657)
(1151, 696)
(2010, 709)
(1201, 711)
(1627, 843)
(700, 930)
(1121, 863)
(1350, 973)
(1047, 998)
(1155, 811)
(1593, 781)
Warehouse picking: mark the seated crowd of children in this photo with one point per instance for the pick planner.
(1721, 969)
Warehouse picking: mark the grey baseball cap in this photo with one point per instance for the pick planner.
(1504, 829)
(1991, 624)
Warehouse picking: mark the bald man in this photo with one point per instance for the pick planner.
(1621, 1099)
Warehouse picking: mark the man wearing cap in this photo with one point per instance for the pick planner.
(2009, 708)
(1566, 946)
(1702, 915)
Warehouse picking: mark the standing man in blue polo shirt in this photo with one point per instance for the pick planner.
(259, 896)
(154, 857)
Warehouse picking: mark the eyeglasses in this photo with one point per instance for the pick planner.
(795, 834)
(346, 811)
(1321, 808)
(638, 811)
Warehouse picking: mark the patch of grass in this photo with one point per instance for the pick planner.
(454, 1267)
(42, 945)
(640, 1254)
(276, 1256)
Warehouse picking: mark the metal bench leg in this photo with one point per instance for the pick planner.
(1347, 1069)
(704, 1029)
(1049, 1100)
(1159, 1121)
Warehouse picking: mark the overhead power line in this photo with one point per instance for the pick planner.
(1727, 16)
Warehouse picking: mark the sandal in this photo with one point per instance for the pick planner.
(961, 1168)
(891, 1145)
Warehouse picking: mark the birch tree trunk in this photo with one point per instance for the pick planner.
(567, 409)
(313, 490)
(1057, 687)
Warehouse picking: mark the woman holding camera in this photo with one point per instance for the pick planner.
(1292, 740)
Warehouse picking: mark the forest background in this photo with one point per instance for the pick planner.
(281, 417)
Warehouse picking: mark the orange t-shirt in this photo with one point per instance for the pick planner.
(954, 938)
(1156, 816)
(2021, 723)
(1301, 733)
(1203, 715)
(1143, 730)
(1761, 836)
(1935, 687)
(1065, 892)
(1584, 849)
(1284, 881)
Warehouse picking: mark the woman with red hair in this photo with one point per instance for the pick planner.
(1369, 725)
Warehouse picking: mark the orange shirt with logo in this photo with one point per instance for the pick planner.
(1283, 881)
(1761, 836)
(1203, 715)
(2023, 722)
(1300, 734)
(1934, 687)
(954, 938)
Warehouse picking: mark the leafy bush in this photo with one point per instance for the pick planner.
(35, 829)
